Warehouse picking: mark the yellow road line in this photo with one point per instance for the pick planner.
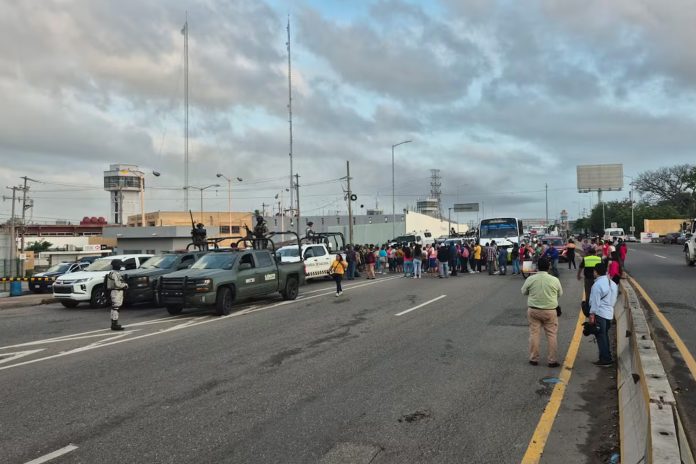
(543, 428)
(678, 342)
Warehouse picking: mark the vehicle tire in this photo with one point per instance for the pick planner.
(689, 261)
(174, 309)
(99, 298)
(224, 301)
(291, 290)
(69, 303)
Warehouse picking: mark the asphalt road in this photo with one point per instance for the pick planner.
(321, 379)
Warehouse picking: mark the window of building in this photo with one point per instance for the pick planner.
(235, 230)
(150, 252)
(132, 252)
(224, 229)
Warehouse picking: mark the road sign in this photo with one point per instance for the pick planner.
(466, 207)
(614, 225)
(632, 229)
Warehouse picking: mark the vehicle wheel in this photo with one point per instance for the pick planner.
(292, 288)
(157, 298)
(99, 297)
(174, 309)
(223, 301)
(69, 303)
(689, 261)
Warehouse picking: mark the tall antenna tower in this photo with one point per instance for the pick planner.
(292, 186)
(435, 189)
(185, 32)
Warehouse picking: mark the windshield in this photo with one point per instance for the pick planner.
(160, 262)
(499, 228)
(556, 242)
(216, 261)
(100, 265)
(62, 267)
(288, 253)
(405, 238)
(615, 233)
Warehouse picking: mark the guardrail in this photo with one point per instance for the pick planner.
(27, 279)
(651, 431)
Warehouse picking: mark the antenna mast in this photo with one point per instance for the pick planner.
(185, 32)
(290, 118)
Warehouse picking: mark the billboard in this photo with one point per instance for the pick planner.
(604, 177)
(466, 207)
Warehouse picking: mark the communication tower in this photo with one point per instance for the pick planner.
(436, 191)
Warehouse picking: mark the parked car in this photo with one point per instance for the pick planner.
(42, 282)
(631, 238)
(317, 258)
(144, 282)
(88, 285)
(670, 239)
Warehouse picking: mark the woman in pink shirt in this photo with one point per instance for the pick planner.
(614, 270)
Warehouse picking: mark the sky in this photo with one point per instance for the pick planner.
(504, 97)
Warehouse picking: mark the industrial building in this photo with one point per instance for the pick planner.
(231, 223)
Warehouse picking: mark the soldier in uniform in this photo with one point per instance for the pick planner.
(199, 237)
(115, 283)
(260, 231)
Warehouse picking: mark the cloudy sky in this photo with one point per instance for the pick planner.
(501, 96)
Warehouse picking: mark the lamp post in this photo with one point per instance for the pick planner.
(449, 221)
(229, 198)
(393, 193)
(630, 196)
(201, 190)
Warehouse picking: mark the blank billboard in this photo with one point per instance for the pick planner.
(605, 177)
(466, 207)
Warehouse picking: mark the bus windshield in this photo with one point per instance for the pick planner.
(499, 228)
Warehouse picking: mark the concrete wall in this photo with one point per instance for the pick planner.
(183, 219)
(58, 242)
(369, 233)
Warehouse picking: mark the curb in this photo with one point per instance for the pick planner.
(650, 427)
(24, 304)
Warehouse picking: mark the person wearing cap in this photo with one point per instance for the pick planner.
(543, 291)
(117, 285)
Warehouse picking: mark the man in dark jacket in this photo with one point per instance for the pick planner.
(443, 261)
(453, 258)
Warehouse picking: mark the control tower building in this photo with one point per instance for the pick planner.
(125, 184)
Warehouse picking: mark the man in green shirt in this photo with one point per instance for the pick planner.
(543, 291)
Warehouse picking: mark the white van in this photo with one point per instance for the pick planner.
(614, 233)
(422, 238)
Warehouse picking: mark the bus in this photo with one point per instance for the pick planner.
(505, 231)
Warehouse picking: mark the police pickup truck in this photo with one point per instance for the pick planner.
(222, 277)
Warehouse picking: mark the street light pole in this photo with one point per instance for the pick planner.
(229, 198)
(201, 190)
(393, 193)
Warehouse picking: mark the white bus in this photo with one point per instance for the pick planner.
(505, 231)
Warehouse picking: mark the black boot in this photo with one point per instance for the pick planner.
(115, 325)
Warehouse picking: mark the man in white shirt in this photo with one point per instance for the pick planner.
(602, 300)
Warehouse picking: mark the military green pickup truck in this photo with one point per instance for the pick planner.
(222, 277)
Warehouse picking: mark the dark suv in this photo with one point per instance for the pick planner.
(144, 282)
(42, 282)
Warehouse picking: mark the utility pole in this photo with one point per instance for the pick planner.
(633, 226)
(185, 32)
(546, 187)
(13, 241)
(25, 189)
(297, 200)
(350, 205)
(290, 118)
(263, 209)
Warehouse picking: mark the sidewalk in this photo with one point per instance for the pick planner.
(586, 429)
(28, 299)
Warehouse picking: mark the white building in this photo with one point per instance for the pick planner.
(125, 184)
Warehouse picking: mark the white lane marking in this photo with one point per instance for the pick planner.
(420, 305)
(211, 319)
(7, 357)
(53, 455)
(660, 256)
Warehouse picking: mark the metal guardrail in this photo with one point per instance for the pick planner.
(651, 431)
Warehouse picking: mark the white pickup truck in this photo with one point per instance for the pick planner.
(88, 285)
(690, 246)
(317, 258)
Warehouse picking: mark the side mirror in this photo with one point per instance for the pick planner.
(244, 266)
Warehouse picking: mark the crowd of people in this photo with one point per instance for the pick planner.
(602, 264)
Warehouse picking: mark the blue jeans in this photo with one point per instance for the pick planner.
(408, 268)
(351, 270)
(603, 339)
(417, 267)
(444, 269)
(337, 279)
(516, 266)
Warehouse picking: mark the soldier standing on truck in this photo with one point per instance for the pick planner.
(260, 232)
(115, 283)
